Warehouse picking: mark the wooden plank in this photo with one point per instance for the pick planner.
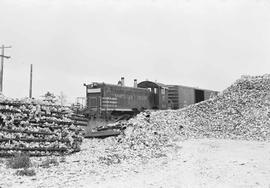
(102, 134)
(81, 123)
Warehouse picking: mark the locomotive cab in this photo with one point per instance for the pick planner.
(159, 94)
(93, 93)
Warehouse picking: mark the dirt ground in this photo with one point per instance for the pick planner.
(194, 163)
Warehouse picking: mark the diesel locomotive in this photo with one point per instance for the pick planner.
(105, 100)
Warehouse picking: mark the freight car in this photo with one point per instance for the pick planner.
(107, 100)
(182, 96)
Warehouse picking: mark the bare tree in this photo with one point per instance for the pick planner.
(49, 97)
(62, 98)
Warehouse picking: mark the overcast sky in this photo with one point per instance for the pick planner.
(203, 43)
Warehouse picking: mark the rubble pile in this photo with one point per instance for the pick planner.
(36, 127)
(242, 111)
(142, 138)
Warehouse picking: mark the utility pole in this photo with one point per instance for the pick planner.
(31, 77)
(2, 65)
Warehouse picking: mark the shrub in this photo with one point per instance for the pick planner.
(25, 172)
(20, 160)
(110, 159)
(49, 162)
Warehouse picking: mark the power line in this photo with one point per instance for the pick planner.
(3, 47)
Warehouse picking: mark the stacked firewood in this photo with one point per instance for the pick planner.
(38, 128)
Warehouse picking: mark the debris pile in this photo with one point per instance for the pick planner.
(242, 111)
(143, 138)
(37, 128)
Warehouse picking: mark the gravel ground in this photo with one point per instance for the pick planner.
(193, 163)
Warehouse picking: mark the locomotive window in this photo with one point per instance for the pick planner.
(155, 90)
(162, 91)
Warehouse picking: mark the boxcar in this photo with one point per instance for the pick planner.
(182, 96)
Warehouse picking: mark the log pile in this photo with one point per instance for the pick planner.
(242, 111)
(37, 128)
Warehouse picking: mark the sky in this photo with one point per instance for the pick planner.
(200, 43)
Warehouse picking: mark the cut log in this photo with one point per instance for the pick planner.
(27, 132)
(33, 149)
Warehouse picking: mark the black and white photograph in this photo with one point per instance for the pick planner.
(135, 94)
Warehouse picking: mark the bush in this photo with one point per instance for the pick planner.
(62, 159)
(110, 159)
(25, 172)
(20, 160)
(49, 162)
